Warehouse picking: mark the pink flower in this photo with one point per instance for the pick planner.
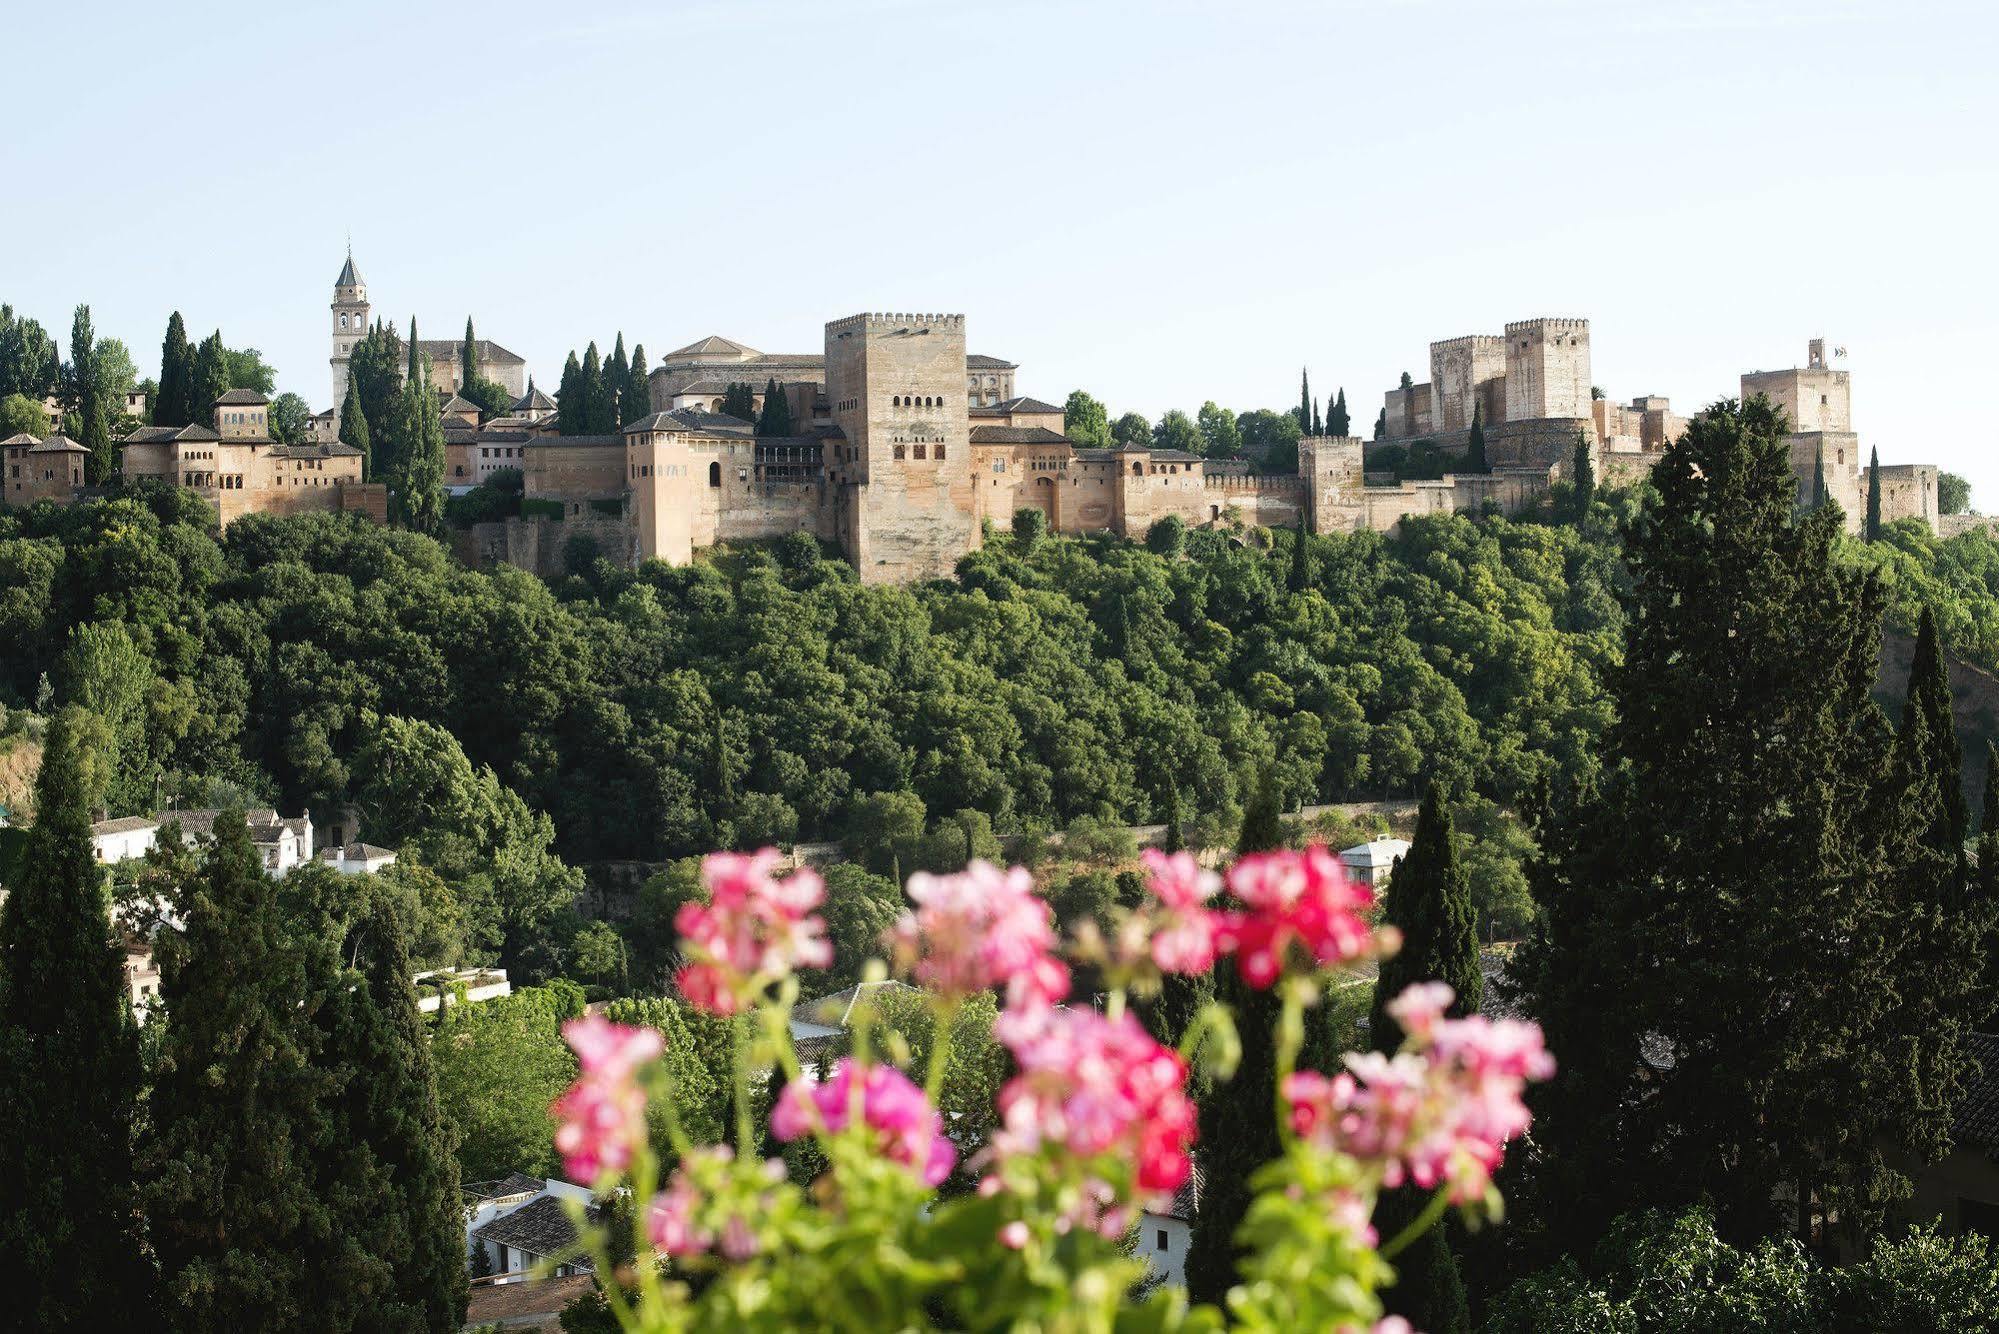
(907, 1129)
(611, 1050)
(1441, 1110)
(1184, 931)
(602, 1115)
(1302, 898)
(753, 930)
(977, 929)
(1095, 1086)
(673, 1221)
(1014, 1235)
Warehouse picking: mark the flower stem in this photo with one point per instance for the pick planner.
(1290, 1037)
(1419, 1224)
(945, 1018)
(739, 1035)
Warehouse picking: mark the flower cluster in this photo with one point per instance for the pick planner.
(1092, 1086)
(674, 1223)
(754, 929)
(1439, 1112)
(1183, 928)
(601, 1117)
(906, 1128)
(1296, 898)
(977, 929)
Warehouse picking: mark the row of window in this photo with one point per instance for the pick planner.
(921, 401)
(919, 450)
(498, 452)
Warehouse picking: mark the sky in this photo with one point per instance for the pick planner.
(1161, 203)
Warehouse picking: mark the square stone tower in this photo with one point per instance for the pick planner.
(897, 385)
(350, 324)
(1467, 374)
(1547, 369)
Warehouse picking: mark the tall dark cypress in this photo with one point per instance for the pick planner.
(1305, 402)
(617, 374)
(69, 1071)
(1337, 420)
(176, 368)
(1820, 492)
(86, 394)
(776, 416)
(1318, 426)
(1429, 901)
(1300, 577)
(1874, 494)
(1986, 891)
(595, 420)
(572, 409)
(1928, 705)
(238, 1111)
(635, 401)
(1238, 1119)
(208, 381)
(1475, 447)
(468, 357)
(1582, 466)
(354, 428)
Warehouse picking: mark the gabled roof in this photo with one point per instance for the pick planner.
(541, 1227)
(438, 349)
(22, 439)
(235, 398)
(124, 824)
(717, 347)
(1017, 435)
(1013, 405)
(333, 449)
(454, 403)
(58, 444)
(1177, 456)
(1375, 852)
(349, 275)
(976, 362)
(513, 1183)
(160, 435)
(691, 419)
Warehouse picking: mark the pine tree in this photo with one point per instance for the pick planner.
(776, 418)
(170, 406)
(1475, 447)
(208, 381)
(1691, 902)
(1238, 1119)
(1337, 421)
(238, 1111)
(69, 1070)
(354, 428)
(572, 412)
(636, 401)
(468, 357)
(1305, 402)
(1874, 494)
(1582, 466)
(388, 1173)
(1300, 578)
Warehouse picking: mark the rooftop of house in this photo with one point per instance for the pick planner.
(1017, 435)
(1375, 852)
(438, 349)
(691, 419)
(534, 401)
(58, 444)
(124, 824)
(513, 1183)
(355, 852)
(1977, 1120)
(160, 435)
(1011, 406)
(241, 398)
(540, 1227)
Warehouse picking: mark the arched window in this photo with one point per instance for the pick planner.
(714, 474)
(1138, 470)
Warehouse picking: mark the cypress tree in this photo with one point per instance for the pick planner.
(1820, 492)
(1928, 706)
(170, 406)
(1305, 402)
(1300, 577)
(617, 374)
(468, 357)
(571, 411)
(1986, 890)
(1874, 494)
(1175, 840)
(238, 1111)
(1381, 424)
(1583, 466)
(636, 401)
(208, 381)
(1238, 1119)
(87, 397)
(1337, 420)
(419, 483)
(354, 428)
(1318, 426)
(1475, 447)
(388, 1172)
(740, 401)
(596, 421)
(1429, 901)
(1721, 935)
(69, 1070)
(776, 417)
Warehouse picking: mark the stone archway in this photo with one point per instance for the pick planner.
(1046, 496)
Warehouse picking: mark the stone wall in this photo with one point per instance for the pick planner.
(1908, 491)
(538, 544)
(1537, 443)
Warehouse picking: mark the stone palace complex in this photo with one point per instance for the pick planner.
(908, 446)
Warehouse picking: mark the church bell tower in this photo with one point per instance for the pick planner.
(350, 324)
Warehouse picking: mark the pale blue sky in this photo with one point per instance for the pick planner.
(1159, 202)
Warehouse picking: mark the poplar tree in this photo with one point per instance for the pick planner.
(1475, 447)
(1238, 1118)
(1874, 494)
(176, 366)
(1337, 421)
(238, 1110)
(1722, 938)
(1429, 901)
(354, 428)
(776, 417)
(635, 403)
(69, 1070)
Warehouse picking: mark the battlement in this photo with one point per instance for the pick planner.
(892, 320)
(1470, 343)
(1547, 324)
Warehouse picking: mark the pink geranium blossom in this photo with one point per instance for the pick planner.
(673, 1224)
(1091, 1086)
(1183, 930)
(754, 929)
(1438, 1112)
(907, 1128)
(980, 928)
(1304, 899)
(601, 1117)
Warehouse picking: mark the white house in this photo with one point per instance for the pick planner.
(520, 1222)
(479, 983)
(1163, 1234)
(123, 839)
(357, 858)
(1374, 860)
